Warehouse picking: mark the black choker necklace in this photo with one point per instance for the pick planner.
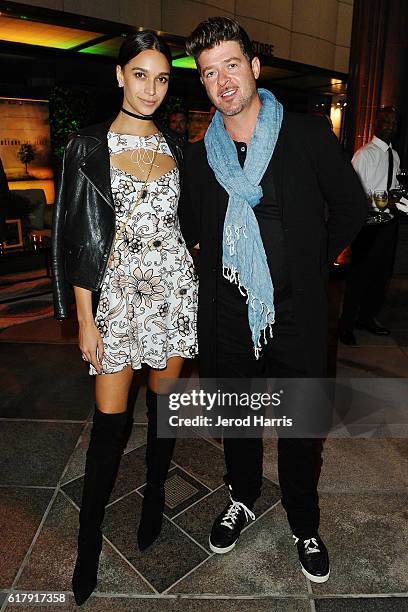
(143, 117)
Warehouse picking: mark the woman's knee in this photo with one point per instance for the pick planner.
(112, 391)
(163, 381)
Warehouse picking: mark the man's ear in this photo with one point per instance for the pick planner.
(256, 67)
(198, 70)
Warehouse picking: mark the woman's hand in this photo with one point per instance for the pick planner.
(90, 339)
(91, 344)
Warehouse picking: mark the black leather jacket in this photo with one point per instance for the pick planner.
(84, 215)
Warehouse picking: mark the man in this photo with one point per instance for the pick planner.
(178, 123)
(377, 165)
(275, 247)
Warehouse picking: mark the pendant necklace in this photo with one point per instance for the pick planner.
(141, 195)
(142, 156)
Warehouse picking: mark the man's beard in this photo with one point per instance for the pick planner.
(243, 103)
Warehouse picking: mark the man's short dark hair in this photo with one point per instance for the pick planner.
(179, 111)
(214, 31)
(388, 110)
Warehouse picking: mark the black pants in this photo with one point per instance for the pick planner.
(372, 259)
(299, 460)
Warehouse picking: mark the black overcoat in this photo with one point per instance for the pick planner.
(323, 207)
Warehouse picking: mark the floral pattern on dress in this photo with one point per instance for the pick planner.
(147, 309)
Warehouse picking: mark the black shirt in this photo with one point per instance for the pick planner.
(269, 216)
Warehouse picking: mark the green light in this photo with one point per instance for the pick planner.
(108, 48)
(184, 62)
(23, 17)
(96, 50)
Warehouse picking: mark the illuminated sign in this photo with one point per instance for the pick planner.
(261, 48)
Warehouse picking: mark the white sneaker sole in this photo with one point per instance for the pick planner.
(221, 551)
(313, 578)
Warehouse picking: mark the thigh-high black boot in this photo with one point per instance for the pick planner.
(159, 453)
(108, 438)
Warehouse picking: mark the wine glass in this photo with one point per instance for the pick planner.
(381, 200)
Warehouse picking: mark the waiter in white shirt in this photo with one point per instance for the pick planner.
(373, 250)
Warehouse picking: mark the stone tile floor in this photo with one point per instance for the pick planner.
(44, 435)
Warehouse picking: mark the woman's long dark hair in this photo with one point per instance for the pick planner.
(140, 41)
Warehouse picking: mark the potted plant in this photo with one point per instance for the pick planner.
(26, 155)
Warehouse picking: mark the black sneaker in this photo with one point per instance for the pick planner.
(314, 558)
(228, 526)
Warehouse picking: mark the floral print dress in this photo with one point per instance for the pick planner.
(148, 303)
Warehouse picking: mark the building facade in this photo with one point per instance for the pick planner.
(313, 32)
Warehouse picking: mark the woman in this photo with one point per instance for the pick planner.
(116, 231)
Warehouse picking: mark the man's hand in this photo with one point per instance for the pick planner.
(393, 198)
(402, 205)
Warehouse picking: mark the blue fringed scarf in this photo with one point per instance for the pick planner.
(244, 259)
